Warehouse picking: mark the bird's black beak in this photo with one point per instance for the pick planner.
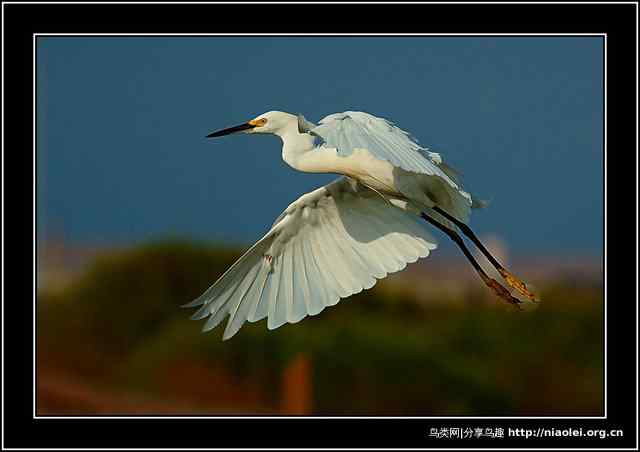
(230, 130)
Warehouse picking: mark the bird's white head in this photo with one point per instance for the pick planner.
(273, 122)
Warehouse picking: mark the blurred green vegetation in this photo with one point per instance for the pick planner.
(118, 334)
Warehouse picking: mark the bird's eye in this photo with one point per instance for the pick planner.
(262, 121)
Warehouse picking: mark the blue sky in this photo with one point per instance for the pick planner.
(122, 156)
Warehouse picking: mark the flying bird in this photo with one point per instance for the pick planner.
(341, 238)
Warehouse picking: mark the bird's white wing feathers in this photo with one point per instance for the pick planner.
(329, 244)
(355, 129)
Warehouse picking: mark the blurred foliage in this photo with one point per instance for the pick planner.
(119, 329)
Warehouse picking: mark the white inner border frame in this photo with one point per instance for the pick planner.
(496, 35)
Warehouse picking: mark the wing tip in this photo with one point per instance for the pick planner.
(192, 304)
(228, 335)
(272, 325)
(199, 314)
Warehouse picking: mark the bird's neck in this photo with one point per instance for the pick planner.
(299, 152)
(297, 148)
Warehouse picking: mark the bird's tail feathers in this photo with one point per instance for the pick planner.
(477, 203)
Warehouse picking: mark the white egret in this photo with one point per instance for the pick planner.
(341, 238)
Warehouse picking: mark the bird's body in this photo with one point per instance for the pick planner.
(417, 176)
(339, 239)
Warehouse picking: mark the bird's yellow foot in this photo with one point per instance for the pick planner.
(518, 285)
(503, 293)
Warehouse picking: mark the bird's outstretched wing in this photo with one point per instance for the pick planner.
(329, 244)
(355, 129)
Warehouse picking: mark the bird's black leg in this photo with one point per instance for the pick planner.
(492, 283)
(514, 282)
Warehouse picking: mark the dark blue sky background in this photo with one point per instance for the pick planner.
(122, 156)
